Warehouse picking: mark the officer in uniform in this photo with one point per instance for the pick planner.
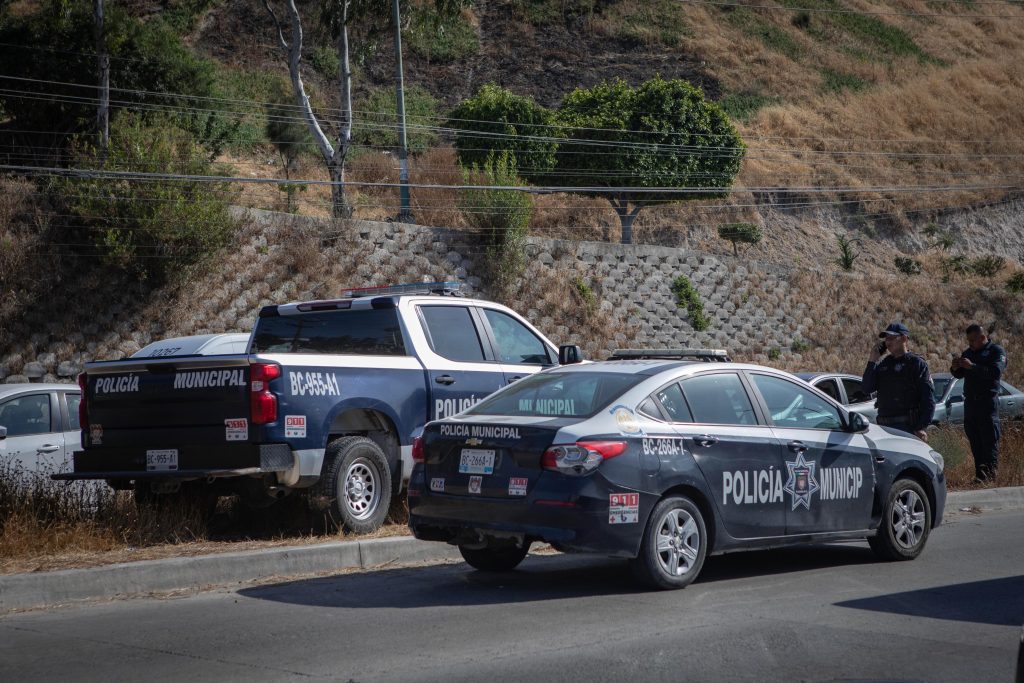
(981, 366)
(903, 382)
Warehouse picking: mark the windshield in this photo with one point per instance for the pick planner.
(940, 387)
(558, 394)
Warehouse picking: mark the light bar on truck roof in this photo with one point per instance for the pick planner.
(714, 355)
(444, 288)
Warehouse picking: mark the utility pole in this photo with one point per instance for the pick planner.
(103, 113)
(405, 215)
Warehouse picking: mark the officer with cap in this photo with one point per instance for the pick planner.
(981, 366)
(903, 382)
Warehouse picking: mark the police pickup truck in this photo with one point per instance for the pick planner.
(328, 400)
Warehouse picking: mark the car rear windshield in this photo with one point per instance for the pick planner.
(558, 394)
(371, 332)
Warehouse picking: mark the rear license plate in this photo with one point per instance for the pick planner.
(476, 461)
(162, 461)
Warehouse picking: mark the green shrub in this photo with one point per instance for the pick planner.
(688, 297)
(149, 228)
(325, 62)
(847, 253)
(439, 37)
(243, 85)
(586, 294)
(1015, 283)
(183, 14)
(375, 125)
(987, 266)
(954, 265)
(907, 265)
(517, 122)
(800, 345)
(837, 81)
(774, 353)
(740, 233)
(742, 106)
(771, 35)
(501, 218)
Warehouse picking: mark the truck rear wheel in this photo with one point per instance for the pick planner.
(356, 484)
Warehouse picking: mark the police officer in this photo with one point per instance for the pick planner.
(981, 366)
(903, 382)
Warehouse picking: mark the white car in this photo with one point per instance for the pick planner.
(39, 428)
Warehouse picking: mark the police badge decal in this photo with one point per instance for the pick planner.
(801, 483)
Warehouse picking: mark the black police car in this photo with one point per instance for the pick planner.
(665, 462)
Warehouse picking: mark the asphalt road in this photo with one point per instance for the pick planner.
(819, 614)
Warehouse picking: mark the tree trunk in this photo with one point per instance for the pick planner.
(626, 217)
(339, 204)
(103, 112)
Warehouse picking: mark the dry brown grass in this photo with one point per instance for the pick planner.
(952, 443)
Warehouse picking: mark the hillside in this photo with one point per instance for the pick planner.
(898, 125)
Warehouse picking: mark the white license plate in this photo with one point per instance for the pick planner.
(476, 461)
(162, 461)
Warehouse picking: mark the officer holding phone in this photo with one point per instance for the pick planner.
(981, 366)
(903, 382)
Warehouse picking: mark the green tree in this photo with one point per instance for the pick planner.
(150, 229)
(630, 143)
(290, 138)
(495, 121)
(740, 233)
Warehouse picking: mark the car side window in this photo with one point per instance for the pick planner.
(671, 399)
(516, 343)
(719, 398)
(1003, 391)
(26, 415)
(956, 394)
(650, 409)
(73, 401)
(793, 406)
(854, 392)
(830, 388)
(452, 333)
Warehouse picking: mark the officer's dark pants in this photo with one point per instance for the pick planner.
(981, 422)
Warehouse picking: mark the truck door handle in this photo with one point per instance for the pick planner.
(797, 446)
(705, 440)
(47, 448)
(444, 379)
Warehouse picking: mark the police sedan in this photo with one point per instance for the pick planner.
(666, 462)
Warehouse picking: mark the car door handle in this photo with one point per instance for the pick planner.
(47, 448)
(705, 440)
(444, 379)
(797, 446)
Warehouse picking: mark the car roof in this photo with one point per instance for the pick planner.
(651, 367)
(942, 375)
(18, 387)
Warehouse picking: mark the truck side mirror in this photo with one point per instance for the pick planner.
(569, 354)
(3, 432)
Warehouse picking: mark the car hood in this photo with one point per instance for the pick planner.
(895, 441)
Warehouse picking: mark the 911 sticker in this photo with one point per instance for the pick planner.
(236, 429)
(475, 483)
(295, 426)
(96, 434)
(437, 484)
(623, 508)
(517, 486)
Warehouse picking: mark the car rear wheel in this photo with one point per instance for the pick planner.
(906, 522)
(356, 484)
(674, 545)
(495, 558)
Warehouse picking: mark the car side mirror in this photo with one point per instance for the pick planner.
(3, 432)
(858, 423)
(955, 399)
(569, 354)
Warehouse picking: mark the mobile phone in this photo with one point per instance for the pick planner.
(881, 347)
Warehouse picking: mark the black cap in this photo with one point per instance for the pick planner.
(894, 330)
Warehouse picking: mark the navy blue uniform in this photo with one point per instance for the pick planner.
(981, 405)
(905, 392)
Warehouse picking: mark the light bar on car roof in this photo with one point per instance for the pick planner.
(719, 355)
(448, 288)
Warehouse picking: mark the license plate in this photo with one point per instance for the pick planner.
(476, 461)
(162, 461)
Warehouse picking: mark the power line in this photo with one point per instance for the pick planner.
(825, 10)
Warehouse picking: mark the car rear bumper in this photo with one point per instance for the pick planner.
(573, 515)
(197, 461)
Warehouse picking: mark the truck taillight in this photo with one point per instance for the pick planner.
(263, 403)
(418, 454)
(83, 411)
(582, 457)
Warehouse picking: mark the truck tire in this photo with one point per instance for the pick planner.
(356, 484)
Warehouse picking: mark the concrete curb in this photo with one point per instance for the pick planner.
(1008, 498)
(26, 591)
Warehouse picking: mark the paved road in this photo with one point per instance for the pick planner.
(821, 614)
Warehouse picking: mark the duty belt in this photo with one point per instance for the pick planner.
(893, 420)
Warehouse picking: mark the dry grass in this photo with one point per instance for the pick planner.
(952, 443)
